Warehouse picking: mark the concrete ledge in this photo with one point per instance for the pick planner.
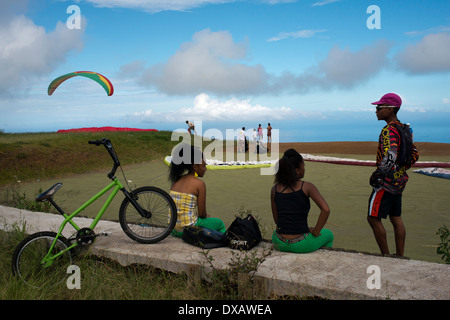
(330, 274)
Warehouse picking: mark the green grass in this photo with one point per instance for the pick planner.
(101, 279)
(31, 156)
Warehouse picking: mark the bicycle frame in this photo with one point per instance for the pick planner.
(116, 185)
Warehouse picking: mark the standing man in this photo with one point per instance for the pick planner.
(269, 133)
(269, 137)
(389, 179)
(191, 127)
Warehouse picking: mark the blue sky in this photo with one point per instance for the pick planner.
(224, 62)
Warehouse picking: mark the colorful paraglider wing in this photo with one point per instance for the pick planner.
(103, 81)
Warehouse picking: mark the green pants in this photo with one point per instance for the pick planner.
(309, 244)
(210, 223)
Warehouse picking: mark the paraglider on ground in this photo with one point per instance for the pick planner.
(102, 129)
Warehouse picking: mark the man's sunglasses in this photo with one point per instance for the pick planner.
(383, 107)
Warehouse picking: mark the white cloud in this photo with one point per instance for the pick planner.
(431, 54)
(342, 68)
(211, 62)
(323, 3)
(154, 6)
(233, 109)
(28, 51)
(345, 68)
(414, 109)
(295, 34)
(437, 29)
(207, 109)
(9, 8)
(278, 1)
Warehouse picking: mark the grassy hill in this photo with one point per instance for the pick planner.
(31, 156)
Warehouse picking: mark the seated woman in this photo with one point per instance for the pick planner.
(290, 207)
(189, 192)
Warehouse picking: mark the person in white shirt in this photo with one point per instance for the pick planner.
(241, 140)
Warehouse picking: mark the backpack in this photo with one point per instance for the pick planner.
(243, 233)
(405, 153)
(203, 237)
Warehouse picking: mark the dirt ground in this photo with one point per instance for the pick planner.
(364, 147)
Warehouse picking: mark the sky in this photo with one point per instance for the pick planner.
(310, 67)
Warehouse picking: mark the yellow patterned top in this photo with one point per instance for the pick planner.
(187, 209)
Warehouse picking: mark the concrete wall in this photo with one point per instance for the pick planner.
(326, 273)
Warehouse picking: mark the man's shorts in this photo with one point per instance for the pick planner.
(383, 203)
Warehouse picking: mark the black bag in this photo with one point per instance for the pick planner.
(203, 237)
(243, 233)
(405, 153)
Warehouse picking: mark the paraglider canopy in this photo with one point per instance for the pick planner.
(103, 81)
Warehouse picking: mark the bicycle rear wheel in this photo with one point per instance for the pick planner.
(27, 258)
(163, 215)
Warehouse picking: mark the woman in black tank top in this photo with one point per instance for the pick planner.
(290, 200)
(292, 211)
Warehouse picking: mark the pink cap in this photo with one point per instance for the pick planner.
(390, 99)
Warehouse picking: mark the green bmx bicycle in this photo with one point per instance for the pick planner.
(146, 215)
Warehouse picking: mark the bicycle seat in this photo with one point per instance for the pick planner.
(47, 195)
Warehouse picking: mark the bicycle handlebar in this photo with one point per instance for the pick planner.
(96, 142)
(108, 145)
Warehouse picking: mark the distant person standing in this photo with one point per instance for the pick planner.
(412, 133)
(191, 127)
(241, 140)
(269, 133)
(260, 133)
(389, 179)
(255, 137)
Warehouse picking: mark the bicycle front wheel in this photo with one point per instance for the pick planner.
(162, 215)
(27, 259)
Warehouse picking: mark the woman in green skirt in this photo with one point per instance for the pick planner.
(290, 200)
